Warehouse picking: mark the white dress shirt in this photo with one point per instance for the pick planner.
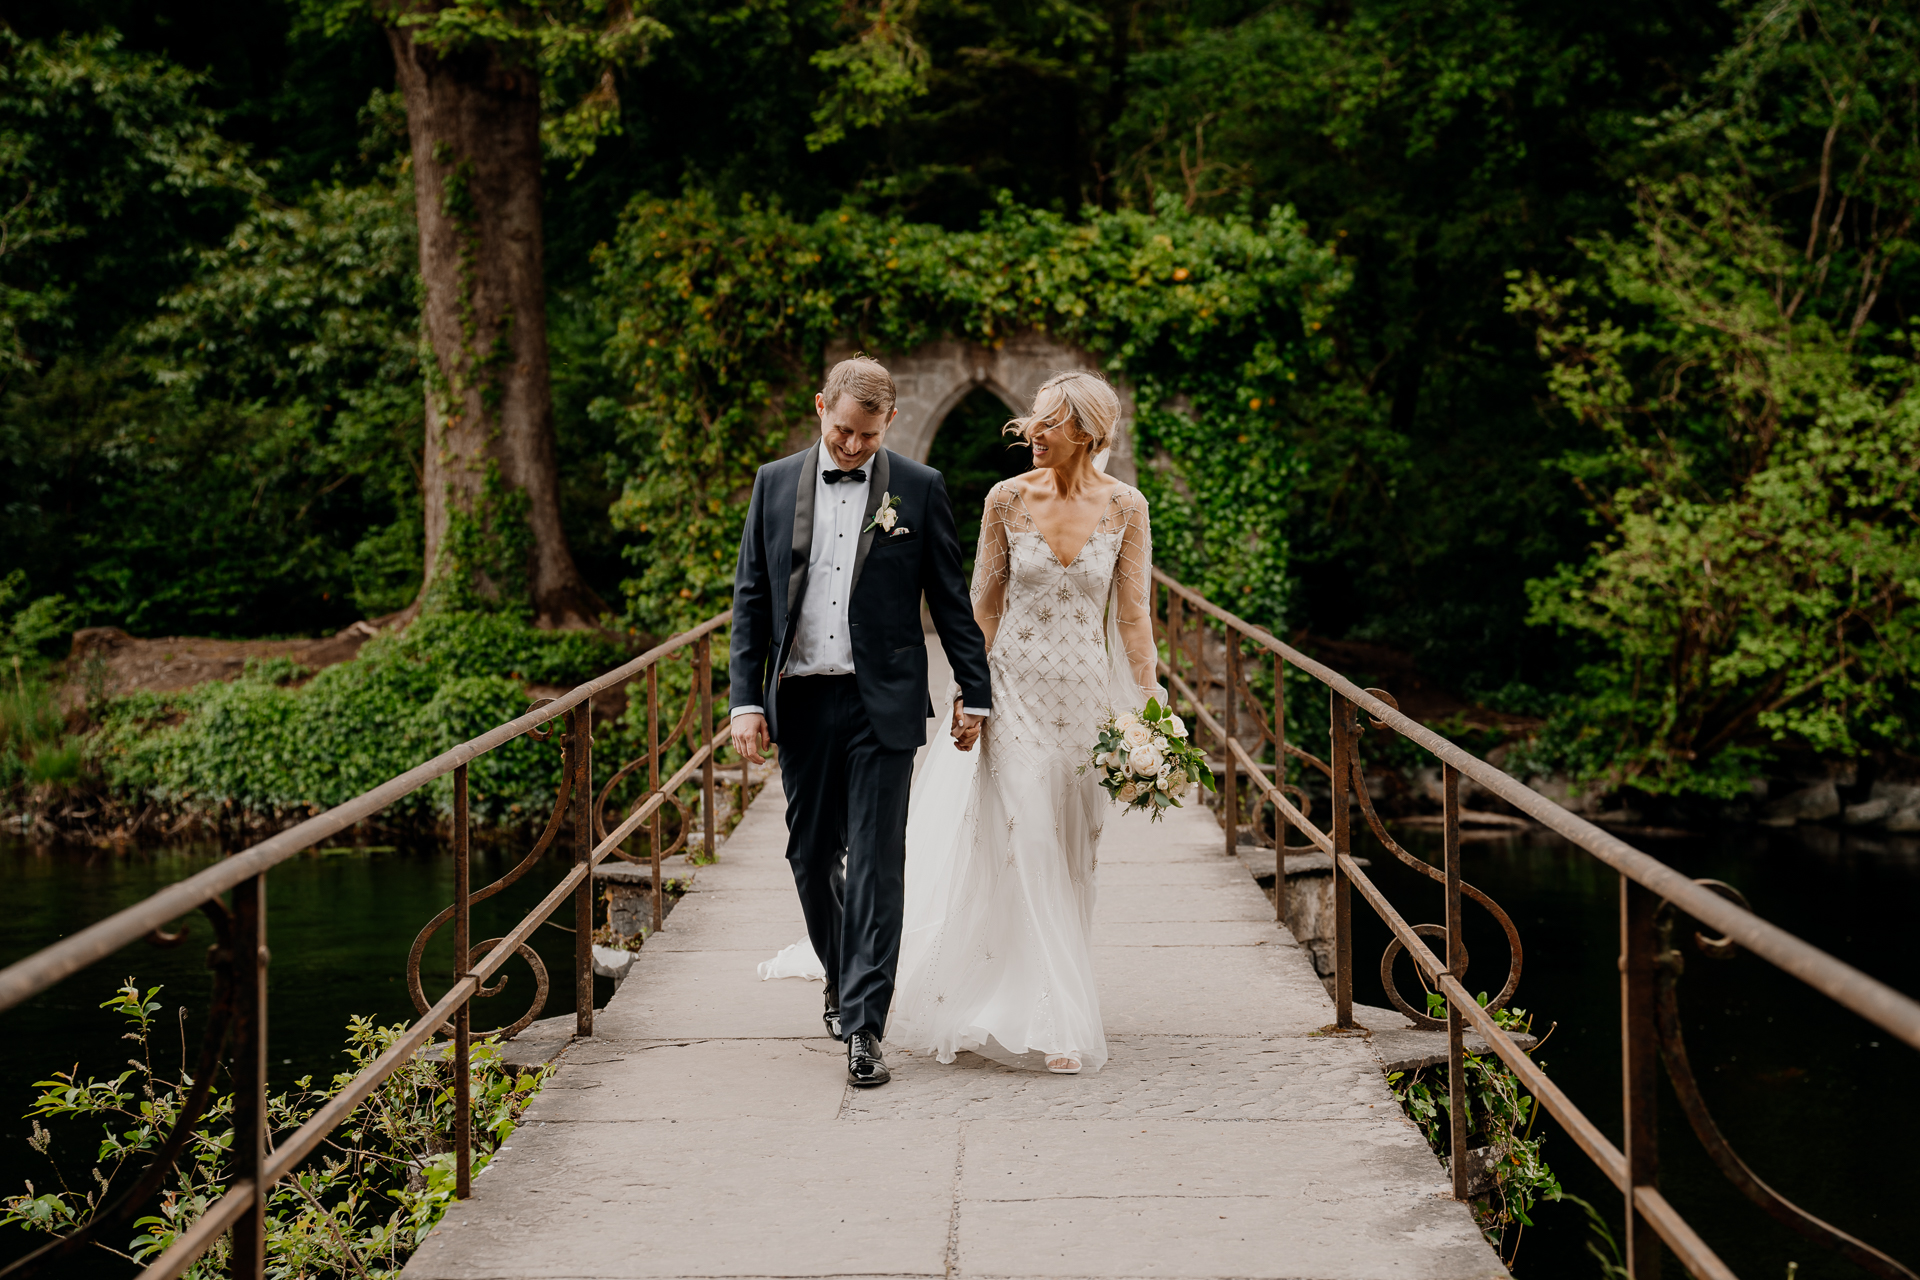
(822, 642)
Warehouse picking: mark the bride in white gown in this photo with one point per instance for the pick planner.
(1002, 842)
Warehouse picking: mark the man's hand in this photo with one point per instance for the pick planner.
(750, 736)
(966, 728)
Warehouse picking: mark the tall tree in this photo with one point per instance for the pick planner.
(475, 77)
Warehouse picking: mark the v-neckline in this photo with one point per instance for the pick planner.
(1067, 565)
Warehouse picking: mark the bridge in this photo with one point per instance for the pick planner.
(707, 1128)
(699, 1124)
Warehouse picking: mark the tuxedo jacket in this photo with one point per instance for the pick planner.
(891, 571)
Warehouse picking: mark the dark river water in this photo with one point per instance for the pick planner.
(1815, 1099)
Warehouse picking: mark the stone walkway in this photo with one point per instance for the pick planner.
(707, 1130)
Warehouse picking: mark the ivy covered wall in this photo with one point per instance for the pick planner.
(720, 319)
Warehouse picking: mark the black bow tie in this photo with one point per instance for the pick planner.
(834, 475)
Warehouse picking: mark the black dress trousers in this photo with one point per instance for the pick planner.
(846, 795)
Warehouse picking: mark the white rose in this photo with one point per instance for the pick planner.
(1137, 735)
(1145, 760)
(1128, 793)
(885, 517)
(1159, 742)
(1176, 726)
(1126, 718)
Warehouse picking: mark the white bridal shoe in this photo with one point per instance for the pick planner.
(1062, 1065)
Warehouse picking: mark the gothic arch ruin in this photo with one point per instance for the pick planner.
(933, 378)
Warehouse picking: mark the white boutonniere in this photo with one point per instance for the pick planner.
(885, 517)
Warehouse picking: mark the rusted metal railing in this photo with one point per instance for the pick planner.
(238, 1016)
(1204, 667)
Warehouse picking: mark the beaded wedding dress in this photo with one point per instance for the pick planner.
(1002, 841)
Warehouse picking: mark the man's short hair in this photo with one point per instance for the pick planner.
(863, 378)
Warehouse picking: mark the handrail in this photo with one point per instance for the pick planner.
(1650, 893)
(1872, 999)
(243, 957)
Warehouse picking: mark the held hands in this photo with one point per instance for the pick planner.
(750, 736)
(966, 728)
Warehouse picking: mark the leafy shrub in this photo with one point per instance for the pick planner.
(266, 744)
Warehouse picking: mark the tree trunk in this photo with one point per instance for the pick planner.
(492, 482)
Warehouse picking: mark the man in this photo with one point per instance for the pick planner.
(829, 660)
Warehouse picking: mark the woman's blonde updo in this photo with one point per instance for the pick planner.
(1087, 396)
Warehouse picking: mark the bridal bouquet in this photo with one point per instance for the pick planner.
(1145, 760)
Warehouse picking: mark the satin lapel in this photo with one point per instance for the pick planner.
(882, 474)
(802, 529)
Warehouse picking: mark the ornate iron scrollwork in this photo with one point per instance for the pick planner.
(682, 729)
(1515, 953)
(541, 983)
(1669, 965)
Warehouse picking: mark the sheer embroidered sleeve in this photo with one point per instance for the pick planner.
(990, 561)
(1133, 592)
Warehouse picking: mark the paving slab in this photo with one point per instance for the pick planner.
(742, 1197)
(1173, 1198)
(707, 1129)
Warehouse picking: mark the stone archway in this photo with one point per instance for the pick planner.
(931, 379)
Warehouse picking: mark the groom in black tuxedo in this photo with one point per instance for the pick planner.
(830, 661)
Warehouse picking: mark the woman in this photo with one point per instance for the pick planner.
(1001, 843)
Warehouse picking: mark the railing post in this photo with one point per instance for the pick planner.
(705, 677)
(463, 1020)
(1230, 792)
(250, 1073)
(1279, 780)
(1639, 1070)
(581, 728)
(653, 784)
(1456, 964)
(1341, 829)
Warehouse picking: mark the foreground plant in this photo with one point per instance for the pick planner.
(359, 1208)
(1500, 1119)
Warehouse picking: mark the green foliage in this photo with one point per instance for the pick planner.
(37, 754)
(870, 77)
(268, 745)
(110, 172)
(719, 322)
(361, 1208)
(1499, 1116)
(1440, 145)
(36, 751)
(1749, 443)
(33, 628)
(573, 45)
(243, 458)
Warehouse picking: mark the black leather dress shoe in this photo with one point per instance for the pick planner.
(832, 1014)
(865, 1067)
